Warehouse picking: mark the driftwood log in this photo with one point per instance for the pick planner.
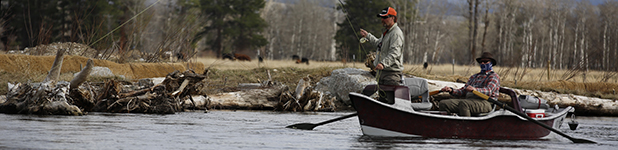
(54, 72)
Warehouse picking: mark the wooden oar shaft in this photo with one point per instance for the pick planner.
(431, 93)
(575, 140)
(434, 92)
(337, 119)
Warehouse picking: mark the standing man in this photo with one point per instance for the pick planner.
(389, 58)
(486, 82)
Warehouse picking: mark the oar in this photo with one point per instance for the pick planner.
(575, 140)
(310, 126)
(431, 93)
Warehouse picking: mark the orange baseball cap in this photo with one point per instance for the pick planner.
(388, 11)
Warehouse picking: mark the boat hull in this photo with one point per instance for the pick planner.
(380, 119)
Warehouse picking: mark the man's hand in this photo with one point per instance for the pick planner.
(380, 67)
(363, 33)
(446, 89)
(470, 88)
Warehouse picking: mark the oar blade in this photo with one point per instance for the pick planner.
(576, 140)
(302, 126)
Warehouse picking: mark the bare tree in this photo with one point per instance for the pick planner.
(304, 29)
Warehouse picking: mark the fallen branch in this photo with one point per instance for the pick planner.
(82, 75)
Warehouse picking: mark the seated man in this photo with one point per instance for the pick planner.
(486, 82)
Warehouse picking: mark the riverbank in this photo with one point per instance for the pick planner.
(225, 76)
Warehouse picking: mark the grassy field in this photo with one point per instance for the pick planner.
(225, 75)
(248, 65)
(591, 83)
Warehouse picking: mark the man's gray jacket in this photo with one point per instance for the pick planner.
(389, 52)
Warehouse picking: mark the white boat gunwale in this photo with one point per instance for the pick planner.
(405, 106)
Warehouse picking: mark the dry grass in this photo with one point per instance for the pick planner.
(591, 83)
(224, 75)
(228, 80)
(253, 64)
(16, 68)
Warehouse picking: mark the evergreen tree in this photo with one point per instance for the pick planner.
(37, 22)
(232, 22)
(361, 14)
(31, 21)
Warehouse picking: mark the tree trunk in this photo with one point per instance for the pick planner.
(476, 26)
(470, 30)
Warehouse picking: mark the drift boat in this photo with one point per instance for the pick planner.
(401, 117)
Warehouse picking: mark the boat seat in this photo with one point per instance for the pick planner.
(514, 100)
(418, 87)
(390, 91)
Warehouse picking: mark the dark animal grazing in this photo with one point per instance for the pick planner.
(295, 57)
(303, 60)
(5, 42)
(260, 59)
(242, 57)
(425, 65)
(180, 56)
(229, 56)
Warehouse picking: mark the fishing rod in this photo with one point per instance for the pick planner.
(345, 11)
(362, 40)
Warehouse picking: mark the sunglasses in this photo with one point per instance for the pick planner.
(385, 17)
(484, 61)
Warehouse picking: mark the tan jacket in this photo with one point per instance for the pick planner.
(389, 53)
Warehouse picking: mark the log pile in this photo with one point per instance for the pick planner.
(167, 97)
(52, 97)
(39, 98)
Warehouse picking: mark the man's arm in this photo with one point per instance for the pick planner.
(394, 53)
(461, 91)
(372, 39)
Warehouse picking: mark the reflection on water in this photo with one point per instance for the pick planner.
(252, 130)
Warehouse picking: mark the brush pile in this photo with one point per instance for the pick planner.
(39, 98)
(52, 97)
(167, 97)
(305, 98)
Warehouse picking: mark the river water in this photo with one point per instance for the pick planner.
(252, 130)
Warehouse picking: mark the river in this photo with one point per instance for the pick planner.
(222, 129)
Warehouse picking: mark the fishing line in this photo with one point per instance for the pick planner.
(345, 11)
(378, 72)
(134, 16)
